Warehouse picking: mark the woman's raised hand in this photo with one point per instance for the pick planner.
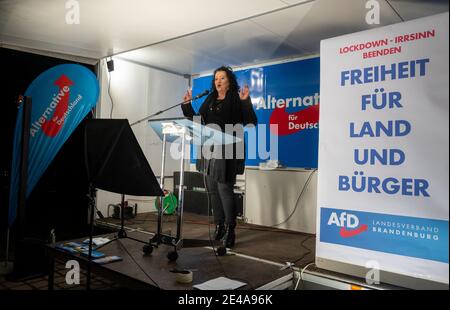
(187, 97)
(244, 92)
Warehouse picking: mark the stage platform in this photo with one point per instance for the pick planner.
(138, 271)
(257, 259)
(275, 248)
(268, 243)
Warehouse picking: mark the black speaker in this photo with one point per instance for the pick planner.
(239, 201)
(195, 197)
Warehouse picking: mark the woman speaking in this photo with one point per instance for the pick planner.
(227, 104)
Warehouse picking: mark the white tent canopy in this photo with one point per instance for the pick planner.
(194, 36)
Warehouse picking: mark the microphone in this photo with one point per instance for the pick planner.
(206, 92)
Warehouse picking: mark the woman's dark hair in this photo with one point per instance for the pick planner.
(234, 86)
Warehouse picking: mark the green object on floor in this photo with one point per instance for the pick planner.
(170, 203)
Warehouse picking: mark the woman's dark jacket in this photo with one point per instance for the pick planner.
(232, 110)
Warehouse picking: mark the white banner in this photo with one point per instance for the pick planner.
(383, 183)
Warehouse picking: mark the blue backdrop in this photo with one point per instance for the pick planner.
(286, 94)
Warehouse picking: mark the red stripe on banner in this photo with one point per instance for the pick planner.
(290, 123)
(344, 233)
(52, 127)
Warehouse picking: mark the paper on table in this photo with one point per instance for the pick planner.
(98, 241)
(221, 283)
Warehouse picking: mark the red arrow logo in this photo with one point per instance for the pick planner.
(351, 233)
(52, 127)
(290, 123)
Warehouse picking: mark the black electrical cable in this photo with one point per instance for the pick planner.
(212, 243)
(298, 199)
(308, 250)
(139, 266)
(110, 97)
(209, 214)
(396, 12)
(276, 230)
(209, 203)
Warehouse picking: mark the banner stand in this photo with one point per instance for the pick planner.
(6, 266)
(19, 272)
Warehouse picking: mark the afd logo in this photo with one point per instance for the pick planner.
(349, 224)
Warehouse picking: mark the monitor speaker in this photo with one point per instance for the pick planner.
(195, 197)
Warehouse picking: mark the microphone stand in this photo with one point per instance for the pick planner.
(172, 107)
